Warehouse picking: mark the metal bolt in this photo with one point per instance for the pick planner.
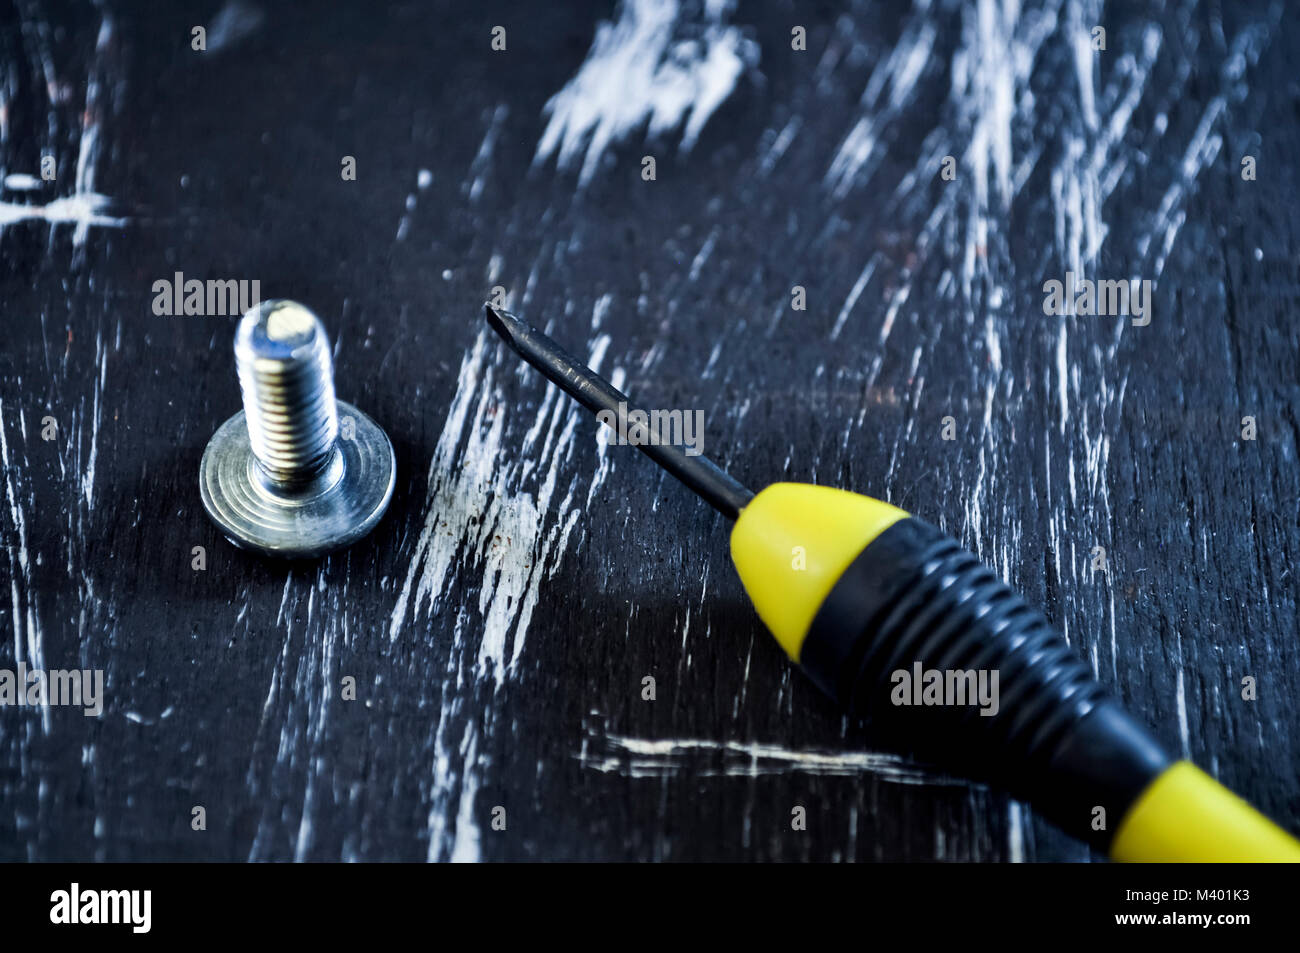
(295, 474)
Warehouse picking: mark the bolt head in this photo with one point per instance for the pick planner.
(335, 510)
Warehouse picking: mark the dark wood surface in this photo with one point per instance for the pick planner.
(526, 579)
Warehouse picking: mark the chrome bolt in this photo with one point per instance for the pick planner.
(296, 473)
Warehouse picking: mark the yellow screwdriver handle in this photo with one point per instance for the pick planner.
(872, 602)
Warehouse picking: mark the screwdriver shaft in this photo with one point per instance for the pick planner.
(709, 481)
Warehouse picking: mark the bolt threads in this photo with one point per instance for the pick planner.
(287, 378)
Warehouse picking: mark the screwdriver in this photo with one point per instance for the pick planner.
(865, 597)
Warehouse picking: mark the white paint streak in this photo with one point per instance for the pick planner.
(234, 22)
(1184, 732)
(21, 182)
(650, 66)
(1015, 833)
(497, 508)
(852, 299)
(85, 207)
(898, 74)
(82, 210)
(653, 758)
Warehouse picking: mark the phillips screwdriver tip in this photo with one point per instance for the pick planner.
(715, 486)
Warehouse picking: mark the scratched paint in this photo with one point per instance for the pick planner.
(653, 68)
(991, 107)
(84, 208)
(699, 757)
(507, 512)
(476, 509)
(924, 296)
(235, 21)
(990, 111)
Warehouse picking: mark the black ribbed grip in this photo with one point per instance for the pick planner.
(915, 596)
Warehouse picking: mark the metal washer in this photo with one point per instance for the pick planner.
(336, 509)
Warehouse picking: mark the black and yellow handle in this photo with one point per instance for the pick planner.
(856, 590)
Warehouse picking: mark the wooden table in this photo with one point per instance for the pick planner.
(528, 577)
